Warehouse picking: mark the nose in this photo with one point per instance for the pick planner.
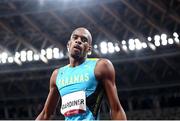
(78, 40)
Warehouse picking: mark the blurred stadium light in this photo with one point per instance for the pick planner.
(105, 47)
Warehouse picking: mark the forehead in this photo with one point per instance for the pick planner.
(81, 32)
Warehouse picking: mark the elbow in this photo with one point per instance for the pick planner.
(47, 115)
(44, 115)
(118, 113)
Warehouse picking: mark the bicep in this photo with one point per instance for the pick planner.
(111, 93)
(107, 77)
(53, 96)
(51, 102)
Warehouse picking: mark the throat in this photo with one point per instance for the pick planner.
(76, 62)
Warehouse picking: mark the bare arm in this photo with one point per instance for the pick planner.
(52, 99)
(105, 72)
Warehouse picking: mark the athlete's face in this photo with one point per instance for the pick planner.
(80, 43)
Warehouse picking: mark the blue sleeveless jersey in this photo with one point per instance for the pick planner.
(73, 83)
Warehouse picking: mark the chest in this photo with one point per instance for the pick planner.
(77, 79)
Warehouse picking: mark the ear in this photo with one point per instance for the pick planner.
(89, 50)
(68, 45)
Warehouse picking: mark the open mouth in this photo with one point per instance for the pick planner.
(77, 47)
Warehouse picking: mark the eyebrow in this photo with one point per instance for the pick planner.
(80, 36)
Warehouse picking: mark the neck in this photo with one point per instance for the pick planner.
(76, 61)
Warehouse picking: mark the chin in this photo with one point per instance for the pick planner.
(76, 56)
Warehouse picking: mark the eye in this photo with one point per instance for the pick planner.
(83, 39)
(75, 37)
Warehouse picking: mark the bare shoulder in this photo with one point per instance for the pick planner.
(104, 64)
(103, 67)
(54, 76)
(55, 72)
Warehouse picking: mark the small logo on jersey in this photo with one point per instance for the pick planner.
(62, 73)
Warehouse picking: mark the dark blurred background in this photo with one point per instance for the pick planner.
(140, 37)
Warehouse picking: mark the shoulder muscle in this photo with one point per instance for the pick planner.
(104, 69)
(53, 78)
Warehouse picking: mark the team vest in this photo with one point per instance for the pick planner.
(81, 93)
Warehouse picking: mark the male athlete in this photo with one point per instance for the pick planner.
(80, 85)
